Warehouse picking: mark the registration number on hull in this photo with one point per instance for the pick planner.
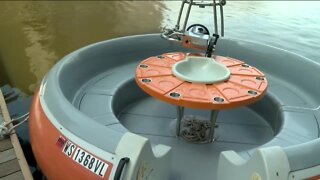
(85, 159)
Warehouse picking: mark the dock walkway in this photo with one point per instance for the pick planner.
(13, 164)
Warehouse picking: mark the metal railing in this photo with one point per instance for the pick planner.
(196, 36)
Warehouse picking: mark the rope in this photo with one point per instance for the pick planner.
(195, 129)
(13, 127)
(18, 118)
(5, 131)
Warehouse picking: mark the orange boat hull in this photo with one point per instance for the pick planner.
(44, 137)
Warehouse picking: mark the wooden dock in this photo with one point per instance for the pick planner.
(13, 164)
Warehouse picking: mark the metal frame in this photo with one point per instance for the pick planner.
(176, 33)
(213, 120)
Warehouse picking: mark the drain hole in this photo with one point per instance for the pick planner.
(174, 94)
(218, 99)
(160, 57)
(252, 92)
(260, 78)
(143, 66)
(146, 80)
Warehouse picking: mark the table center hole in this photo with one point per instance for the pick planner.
(252, 92)
(174, 94)
(260, 78)
(245, 65)
(145, 80)
(218, 99)
(143, 66)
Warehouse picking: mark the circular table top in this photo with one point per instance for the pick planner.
(245, 85)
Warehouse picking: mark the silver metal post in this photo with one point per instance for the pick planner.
(222, 20)
(215, 17)
(213, 119)
(187, 16)
(179, 17)
(180, 111)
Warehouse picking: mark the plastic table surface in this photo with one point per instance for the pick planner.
(245, 85)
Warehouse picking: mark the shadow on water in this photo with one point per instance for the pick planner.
(36, 34)
(3, 73)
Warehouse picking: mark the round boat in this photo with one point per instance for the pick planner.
(90, 120)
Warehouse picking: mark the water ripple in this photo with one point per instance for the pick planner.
(292, 25)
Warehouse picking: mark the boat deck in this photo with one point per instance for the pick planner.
(239, 129)
(13, 164)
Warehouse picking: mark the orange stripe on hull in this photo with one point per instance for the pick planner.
(44, 141)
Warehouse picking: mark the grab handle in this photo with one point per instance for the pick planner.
(120, 167)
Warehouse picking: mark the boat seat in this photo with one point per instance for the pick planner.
(299, 124)
(103, 99)
(97, 99)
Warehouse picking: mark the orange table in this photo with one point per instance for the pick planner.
(245, 85)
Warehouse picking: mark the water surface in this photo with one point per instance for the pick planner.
(34, 35)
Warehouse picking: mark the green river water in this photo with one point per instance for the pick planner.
(34, 35)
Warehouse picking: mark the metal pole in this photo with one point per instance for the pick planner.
(179, 17)
(215, 17)
(187, 16)
(180, 111)
(222, 20)
(213, 119)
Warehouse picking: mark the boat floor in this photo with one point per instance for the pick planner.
(238, 129)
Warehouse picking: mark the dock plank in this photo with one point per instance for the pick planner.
(5, 144)
(7, 155)
(14, 176)
(9, 167)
